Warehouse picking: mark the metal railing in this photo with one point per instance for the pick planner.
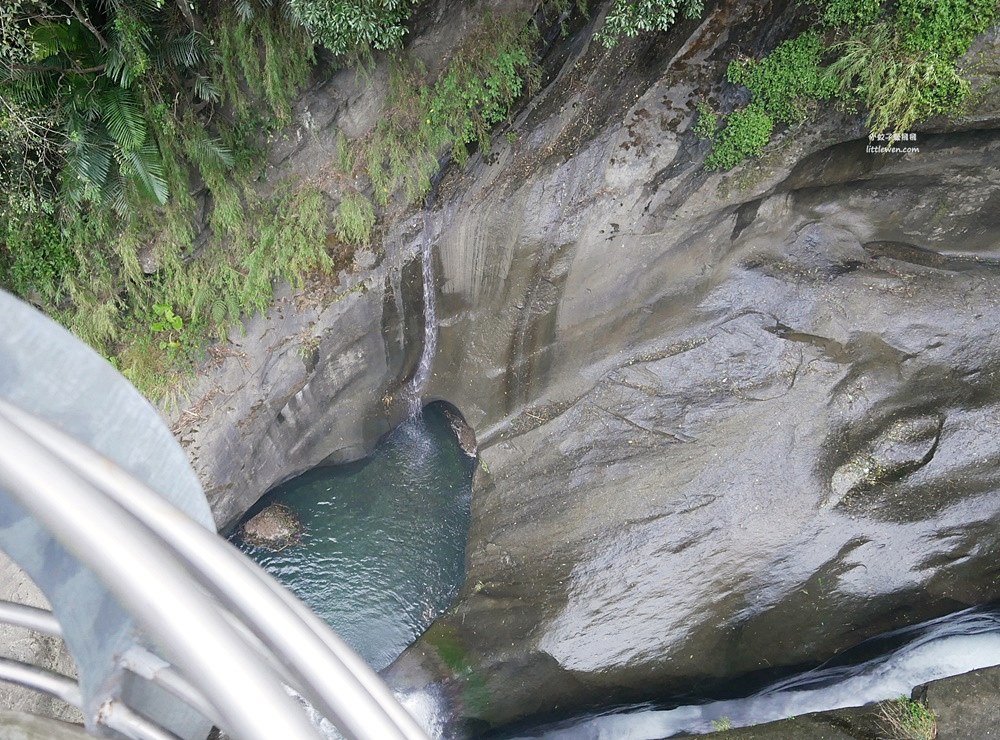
(232, 638)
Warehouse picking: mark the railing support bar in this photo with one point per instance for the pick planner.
(38, 477)
(38, 679)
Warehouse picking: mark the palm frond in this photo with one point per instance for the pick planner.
(32, 88)
(116, 66)
(88, 159)
(123, 118)
(144, 168)
(113, 193)
(204, 149)
(52, 39)
(179, 51)
(244, 9)
(206, 89)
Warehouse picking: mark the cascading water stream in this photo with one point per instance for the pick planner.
(942, 647)
(423, 370)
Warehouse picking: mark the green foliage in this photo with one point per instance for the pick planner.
(167, 325)
(789, 78)
(905, 719)
(127, 105)
(852, 14)
(283, 237)
(34, 258)
(475, 92)
(628, 18)
(89, 76)
(355, 219)
(707, 122)
(263, 57)
(722, 724)
(944, 28)
(345, 154)
(746, 134)
(898, 60)
(899, 89)
(349, 26)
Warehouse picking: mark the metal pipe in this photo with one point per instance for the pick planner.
(144, 576)
(153, 668)
(275, 662)
(38, 679)
(30, 617)
(118, 716)
(333, 678)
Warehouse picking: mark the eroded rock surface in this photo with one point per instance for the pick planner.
(727, 422)
(725, 425)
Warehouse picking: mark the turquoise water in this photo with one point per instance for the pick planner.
(383, 547)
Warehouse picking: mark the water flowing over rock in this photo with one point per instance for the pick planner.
(727, 421)
(423, 370)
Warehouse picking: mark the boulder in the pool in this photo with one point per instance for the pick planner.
(275, 527)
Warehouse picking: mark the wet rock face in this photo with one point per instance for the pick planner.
(797, 457)
(728, 422)
(318, 378)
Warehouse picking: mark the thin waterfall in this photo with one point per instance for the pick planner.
(423, 371)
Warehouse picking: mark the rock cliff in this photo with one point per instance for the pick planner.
(727, 422)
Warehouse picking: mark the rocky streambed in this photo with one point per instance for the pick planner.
(727, 422)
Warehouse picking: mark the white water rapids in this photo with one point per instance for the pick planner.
(943, 647)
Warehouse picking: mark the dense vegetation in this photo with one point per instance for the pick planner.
(115, 116)
(137, 117)
(124, 124)
(898, 61)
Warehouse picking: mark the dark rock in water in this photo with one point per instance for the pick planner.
(464, 434)
(275, 528)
